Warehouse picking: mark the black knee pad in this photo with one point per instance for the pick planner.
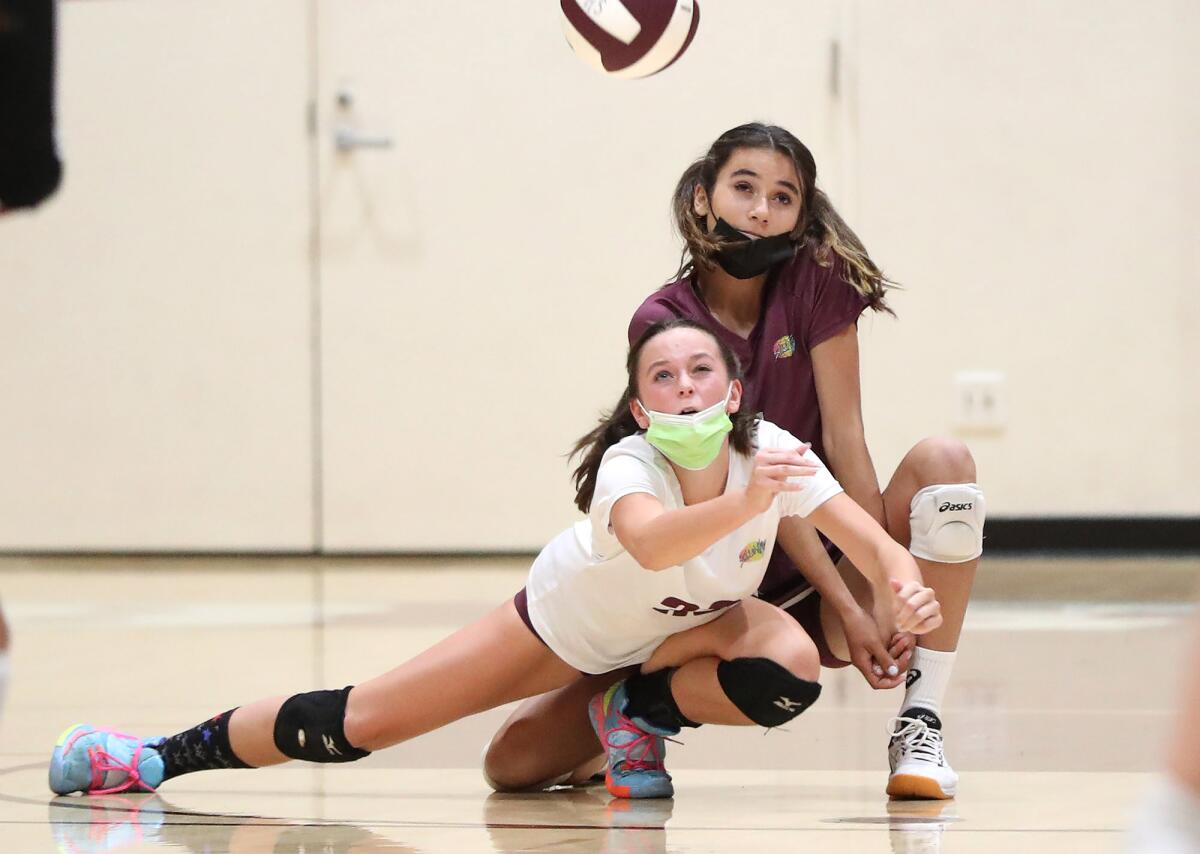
(764, 691)
(312, 727)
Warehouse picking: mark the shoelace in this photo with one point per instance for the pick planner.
(647, 742)
(101, 762)
(918, 737)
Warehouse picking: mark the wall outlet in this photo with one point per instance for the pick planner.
(980, 401)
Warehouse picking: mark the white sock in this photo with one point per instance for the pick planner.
(928, 677)
(5, 669)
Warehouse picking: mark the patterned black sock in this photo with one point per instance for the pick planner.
(649, 698)
(201, 748)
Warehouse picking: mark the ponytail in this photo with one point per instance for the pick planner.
(830, 236)
(590, 449)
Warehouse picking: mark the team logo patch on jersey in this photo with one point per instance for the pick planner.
(785, 347)
(752, 551)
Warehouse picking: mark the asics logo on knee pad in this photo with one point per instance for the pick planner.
(946, 522)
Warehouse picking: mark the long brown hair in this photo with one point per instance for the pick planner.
(819, 225)
(619, 423)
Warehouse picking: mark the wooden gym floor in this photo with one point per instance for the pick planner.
(1064, 686)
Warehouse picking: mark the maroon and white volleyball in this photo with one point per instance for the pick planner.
(630, 38)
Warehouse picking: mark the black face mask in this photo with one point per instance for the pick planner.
(750, 258)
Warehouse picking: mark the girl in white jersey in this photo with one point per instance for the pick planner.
(681, 524)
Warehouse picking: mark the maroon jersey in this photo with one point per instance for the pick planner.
(803, 305)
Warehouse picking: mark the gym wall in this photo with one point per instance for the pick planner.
(227, 334)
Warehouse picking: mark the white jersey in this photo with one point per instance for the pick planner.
(598, 609)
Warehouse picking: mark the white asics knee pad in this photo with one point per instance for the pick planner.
(946, 523)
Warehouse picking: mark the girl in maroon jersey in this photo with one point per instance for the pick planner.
(772, 269)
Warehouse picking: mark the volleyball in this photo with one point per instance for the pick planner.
(630, 38)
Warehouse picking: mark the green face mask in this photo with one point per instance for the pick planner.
(690, 441)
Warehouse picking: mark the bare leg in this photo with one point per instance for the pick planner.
(459, 676)
(1184, 762)
(934, 461)
(918, 771)
(4, 662)
(550, 736)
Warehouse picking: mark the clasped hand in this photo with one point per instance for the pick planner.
(912, 610)
(916, 609)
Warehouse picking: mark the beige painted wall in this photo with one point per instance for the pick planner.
(1029, 171)
(154, 315)
(478, 277)
(1026, 170)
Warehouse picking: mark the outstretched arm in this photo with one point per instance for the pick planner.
(658, 538)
